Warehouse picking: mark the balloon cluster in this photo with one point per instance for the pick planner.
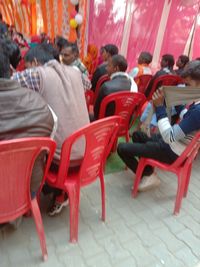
(76, 18)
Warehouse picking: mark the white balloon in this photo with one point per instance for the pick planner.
(79, 19)
(74, 2)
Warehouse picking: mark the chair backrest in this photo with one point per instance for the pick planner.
(142, 82)
(126, 104)
(99, 137)
(17, 158)
(164, 80)
(190, 151)
(89, 97)
(102, 80)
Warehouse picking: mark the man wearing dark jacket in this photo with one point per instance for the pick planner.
(23, 112)
(109, 50)
(120, 81)
(167, 64)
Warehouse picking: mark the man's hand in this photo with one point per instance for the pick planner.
(158, 98)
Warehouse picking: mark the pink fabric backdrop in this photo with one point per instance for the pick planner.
(181, 19)
(107, 22)
(144, 28)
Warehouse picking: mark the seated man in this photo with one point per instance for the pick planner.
(167, 64)
(172, 140)
(23, 113)
(108, 51)
(70, 56)
(142, 68)
(181, 63)
(61, 87)
(120, 81)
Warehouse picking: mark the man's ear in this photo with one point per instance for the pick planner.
(117, 68)
(35, 62)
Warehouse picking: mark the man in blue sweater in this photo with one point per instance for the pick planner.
(172, 140)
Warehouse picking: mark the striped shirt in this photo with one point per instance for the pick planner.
(179, 135)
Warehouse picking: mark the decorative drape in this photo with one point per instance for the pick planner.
(160, 27)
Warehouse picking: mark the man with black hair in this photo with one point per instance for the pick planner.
(108, 51)
(37, 56)
(13, 52)
(142, 68)
(172, 140)
(3, 27)
(181, 63)
(59, 43)
(70, 56)
(167, 64)
(61, 87)
(120, 81)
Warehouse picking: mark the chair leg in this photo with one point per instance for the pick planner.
(114, 146)
(187, 180)
(103, 215)
(138, 175)
(39, 226)
(74, 200)
(180, 192)
(127, 137)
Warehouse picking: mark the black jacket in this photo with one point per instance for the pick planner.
(99, 72)
(117, 84)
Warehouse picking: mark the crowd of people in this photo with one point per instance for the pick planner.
(42, 93)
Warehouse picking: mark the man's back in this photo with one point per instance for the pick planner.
(117, 84)
(99, 72)
(62, 88)
(24, 113)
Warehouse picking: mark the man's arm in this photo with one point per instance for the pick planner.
(170, 134)
(29, 78)
(86, 82)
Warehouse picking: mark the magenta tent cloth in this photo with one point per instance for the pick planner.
(156, 26)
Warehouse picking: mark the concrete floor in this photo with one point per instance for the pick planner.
(138, 232)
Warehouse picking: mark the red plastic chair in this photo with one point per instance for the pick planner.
(143, 82)
(181, 167)
(89, 97)
(17, 158)
(102, 80)
(127, 105)
(165, 80)
(99, 138)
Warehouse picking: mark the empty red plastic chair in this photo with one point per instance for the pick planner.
(164, 80)
(99, 138)
(17, 158)
(100, 82)
(127, 105)
(142, 82)
(181, 167)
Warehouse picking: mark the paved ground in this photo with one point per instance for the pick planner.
(138, 232)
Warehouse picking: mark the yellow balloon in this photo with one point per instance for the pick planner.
(73, 23)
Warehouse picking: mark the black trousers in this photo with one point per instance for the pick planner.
(147, 147)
